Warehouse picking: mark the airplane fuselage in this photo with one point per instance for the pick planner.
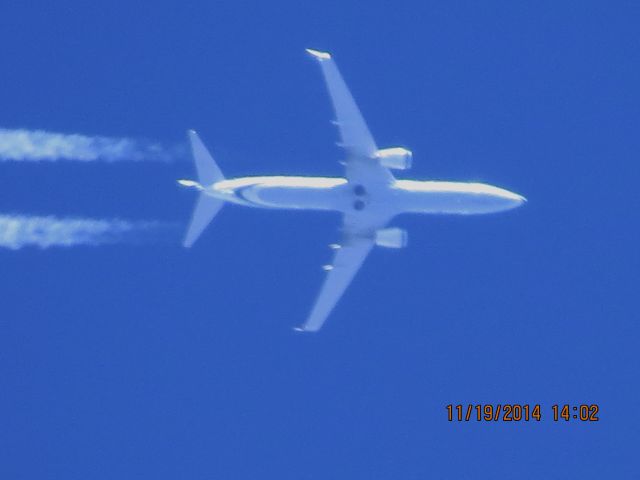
(337, 194)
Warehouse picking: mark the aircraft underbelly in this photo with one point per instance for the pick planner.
(461, 203)
(297, 197)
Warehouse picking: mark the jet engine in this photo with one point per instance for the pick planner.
(396, 158)
(391, 238)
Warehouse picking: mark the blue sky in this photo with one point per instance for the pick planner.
(121, 362)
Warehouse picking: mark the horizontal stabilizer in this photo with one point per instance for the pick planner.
(208, 173)
(208, 170)
(206, 208)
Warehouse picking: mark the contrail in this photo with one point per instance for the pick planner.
(39, 145)
(18, 231)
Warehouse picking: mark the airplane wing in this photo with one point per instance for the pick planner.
(358, 240)
(360, 147)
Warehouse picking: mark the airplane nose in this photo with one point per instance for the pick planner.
(513, 199)
(518, 198)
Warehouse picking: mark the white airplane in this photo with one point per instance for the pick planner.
(368, 197)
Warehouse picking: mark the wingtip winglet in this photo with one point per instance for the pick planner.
(191, 133)
(318, 54)
(304, 329)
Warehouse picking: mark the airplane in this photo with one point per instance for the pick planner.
(369, 196)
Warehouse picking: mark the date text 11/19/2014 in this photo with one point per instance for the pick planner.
(515, 412)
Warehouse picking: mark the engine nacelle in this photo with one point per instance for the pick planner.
(397, 158)
(391, 238)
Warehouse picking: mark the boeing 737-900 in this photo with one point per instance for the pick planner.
(368, 196)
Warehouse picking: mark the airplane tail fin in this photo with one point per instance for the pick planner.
(207, 206)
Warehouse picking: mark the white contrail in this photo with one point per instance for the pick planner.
(17, 231)
(38, 145)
